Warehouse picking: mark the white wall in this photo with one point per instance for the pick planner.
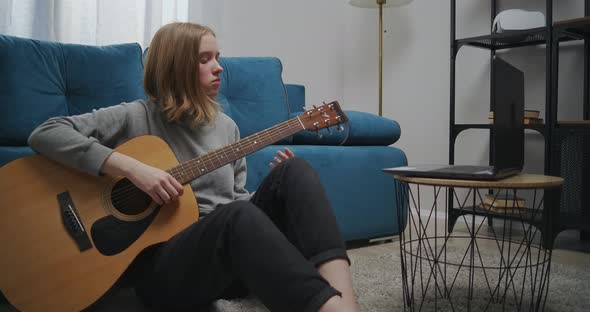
(332, 49)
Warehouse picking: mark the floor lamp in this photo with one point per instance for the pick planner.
(380, 4)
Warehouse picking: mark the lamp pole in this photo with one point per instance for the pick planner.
(380, 3)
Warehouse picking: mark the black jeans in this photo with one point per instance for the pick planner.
(270, 246)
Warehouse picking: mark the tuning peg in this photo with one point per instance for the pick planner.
(339, 128)
(320, 135)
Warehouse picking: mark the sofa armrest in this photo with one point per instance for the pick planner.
(363, 129)
(351, 198)
(10, 153)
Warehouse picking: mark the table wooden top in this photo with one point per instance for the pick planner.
(520, 181)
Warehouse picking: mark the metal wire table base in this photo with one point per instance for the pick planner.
(464, 264)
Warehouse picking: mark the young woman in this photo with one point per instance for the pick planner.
(280, 243)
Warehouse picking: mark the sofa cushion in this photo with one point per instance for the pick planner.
(32, 86)
(365, 129)
(252, 92)
(42, 79)
(99, 76)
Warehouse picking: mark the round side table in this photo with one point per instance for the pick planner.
(452, 260)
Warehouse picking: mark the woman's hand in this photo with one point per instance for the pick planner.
(157, 183)
(281, 156)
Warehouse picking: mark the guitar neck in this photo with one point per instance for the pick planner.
(204, 164)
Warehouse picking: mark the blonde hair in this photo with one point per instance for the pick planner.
(171, 74)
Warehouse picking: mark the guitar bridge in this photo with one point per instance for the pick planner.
(71, 221)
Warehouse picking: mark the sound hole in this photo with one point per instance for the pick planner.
(128, 199)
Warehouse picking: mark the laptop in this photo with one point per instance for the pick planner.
(507, 141)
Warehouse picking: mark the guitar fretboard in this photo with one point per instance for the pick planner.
(204, 164)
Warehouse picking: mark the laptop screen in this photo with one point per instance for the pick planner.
(508, 105)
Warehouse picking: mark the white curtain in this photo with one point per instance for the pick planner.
(98, 22)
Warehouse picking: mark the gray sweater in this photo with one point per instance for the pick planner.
(85, 141)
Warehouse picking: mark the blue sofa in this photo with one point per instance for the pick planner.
(40, 79)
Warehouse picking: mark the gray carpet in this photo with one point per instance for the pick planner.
(377, 280)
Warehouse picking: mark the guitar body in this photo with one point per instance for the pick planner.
(42, 266)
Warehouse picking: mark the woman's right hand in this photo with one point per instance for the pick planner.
(162, 187)
(157, 183)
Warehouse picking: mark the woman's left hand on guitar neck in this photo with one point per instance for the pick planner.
(281, 156)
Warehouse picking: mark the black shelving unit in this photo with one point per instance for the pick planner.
(571, 139)
(553, 131)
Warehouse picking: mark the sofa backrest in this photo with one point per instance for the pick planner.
(252, 92)
(296, 97)
(42, 79)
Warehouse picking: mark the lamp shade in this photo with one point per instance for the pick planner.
(375, 4)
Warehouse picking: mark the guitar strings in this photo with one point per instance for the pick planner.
(125, 191)
(208, 158)
(130, 192)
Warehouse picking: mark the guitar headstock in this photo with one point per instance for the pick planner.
(324, 116)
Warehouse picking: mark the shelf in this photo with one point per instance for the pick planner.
(574, 124)
(460, 127)
(526, 215)
(528, 37)
(472, 126)
(573, 29)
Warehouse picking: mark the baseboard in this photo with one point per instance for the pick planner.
(357, 243)
(389, 238)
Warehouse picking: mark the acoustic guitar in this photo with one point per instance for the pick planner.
(60, 229)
